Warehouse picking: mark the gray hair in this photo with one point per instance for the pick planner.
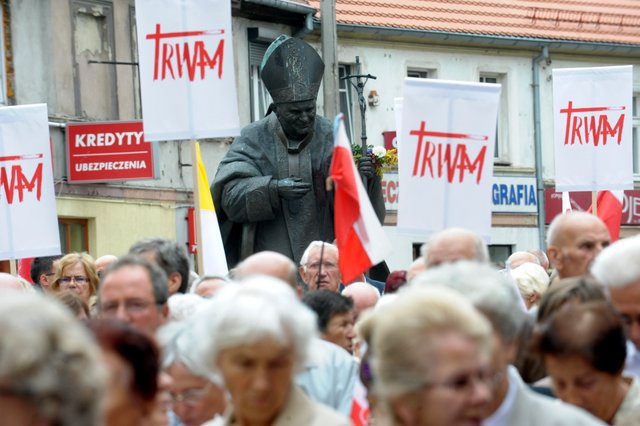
(202, 278)
(399, 358)
(169, 255)
(314, 244)
(261, 308)
(489, 291)
(176, 341)
(531, 279)
(184, 306)
(157, 275)
(558, 222)
(49, 360)
(619, 264)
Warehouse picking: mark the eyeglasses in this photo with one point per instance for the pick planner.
(190, 397)
(132, 307)
(325, 265)
(78, 279)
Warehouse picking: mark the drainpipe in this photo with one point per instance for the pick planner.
(543, 56)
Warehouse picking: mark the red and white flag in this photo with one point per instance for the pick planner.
(360, 408)
(361, 240)
(566, 202)
(610, 211)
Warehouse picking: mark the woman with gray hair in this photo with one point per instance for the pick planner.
(430, 351)
(532, 281)
(196, 399)
(50, 368)
(254, 337)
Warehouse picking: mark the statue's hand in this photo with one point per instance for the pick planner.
(292, 188)
(366, 168)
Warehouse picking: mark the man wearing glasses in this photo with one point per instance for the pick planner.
(319, 267)
(617, 267)
(42, 271)
(135, 291)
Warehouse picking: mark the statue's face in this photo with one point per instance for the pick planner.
(297, 118)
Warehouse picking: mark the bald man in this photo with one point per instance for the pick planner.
(103, 262)
(364, 296)
(573, 241)
(9, 282)
(454, 244)
(520, 258)
(269, 263)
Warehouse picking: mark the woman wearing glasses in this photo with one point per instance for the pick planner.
(77, 272)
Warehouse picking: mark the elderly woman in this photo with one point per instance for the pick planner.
(196, 399)
(77, 272)
(532, 281)
(50, 369)
(254, 337)
(430, 352)
(133, 362)
(584, 349)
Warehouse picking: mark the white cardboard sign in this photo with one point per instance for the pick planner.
(446, 156)
(593, 128)
(28, 218)
(187, 77)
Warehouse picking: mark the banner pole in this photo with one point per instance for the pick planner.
(594, 203)
(196, 208)
(13, 268)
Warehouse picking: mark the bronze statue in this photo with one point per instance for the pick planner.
(269, 189)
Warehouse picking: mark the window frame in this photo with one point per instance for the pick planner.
(501, 148)
(64, 224)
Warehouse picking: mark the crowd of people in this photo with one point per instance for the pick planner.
(140, 339)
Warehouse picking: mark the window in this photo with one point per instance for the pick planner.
(417, 73)
(346, 99)
(93, 39)
(500, 153)
(499, 253)
(635, 110)
(74, 235)
(260, 98)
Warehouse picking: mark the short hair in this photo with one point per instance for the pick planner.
(481, 252)
(554, 234)
(184, 306)
(401, 333)
(169, 255)
(41, 265)
(314, 244)
(88, 264)
(490, 292)
(135, 348)
(196, 283)
(618, 265)
(156, 275)
(592, 331)
(176, 341)
(326, 304)
(261, 308)
(575, 289)
(49, 360)
(531, 279)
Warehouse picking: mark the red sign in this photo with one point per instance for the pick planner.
(390, 140)
(101, 152)
(581, 201)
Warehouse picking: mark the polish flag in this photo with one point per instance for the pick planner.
(566, 203)
(360, 407)
(214, 261)
(610, 211)
(361, 240)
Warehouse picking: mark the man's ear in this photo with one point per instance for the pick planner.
(403, 411)
(302, 273)
(42, 280)
(175, 279)
(555, 258)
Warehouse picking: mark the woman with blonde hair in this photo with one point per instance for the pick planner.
(77, 272)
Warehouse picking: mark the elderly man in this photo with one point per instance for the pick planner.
(319, 267)
(513, 402)
(520, 258)
(364, 296)
(269, 189)
(168, 255)
(574, 239)
(454, 244)
(618, 268)
(8, 281)
(330, 377)
(103, 262)
(134, 290)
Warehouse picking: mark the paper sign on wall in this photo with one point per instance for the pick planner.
(593, 128)
(186, 69)
(447, 135)
(28, 218)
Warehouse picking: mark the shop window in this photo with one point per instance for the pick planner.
(74, 235)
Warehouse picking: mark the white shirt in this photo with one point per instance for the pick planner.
(632, 364)
(500, 417)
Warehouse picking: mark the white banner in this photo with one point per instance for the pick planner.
(593, 128)
(28, 218)
(446, 156)
(187, 77)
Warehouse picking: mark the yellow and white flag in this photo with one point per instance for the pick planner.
(210, 241)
